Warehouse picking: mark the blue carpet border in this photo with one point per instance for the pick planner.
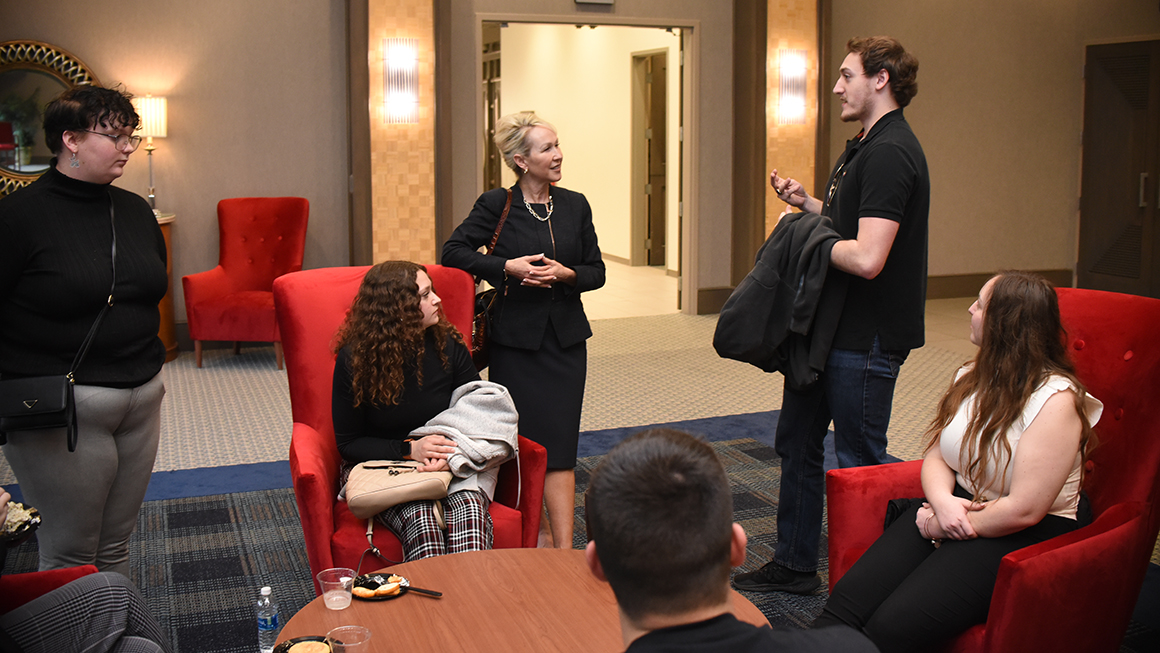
(207, 481)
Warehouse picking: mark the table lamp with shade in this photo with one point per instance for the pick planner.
(153, 112)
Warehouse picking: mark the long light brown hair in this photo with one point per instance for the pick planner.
(384, 333)
(1022, 343)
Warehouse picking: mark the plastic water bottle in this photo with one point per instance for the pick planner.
(267, 610)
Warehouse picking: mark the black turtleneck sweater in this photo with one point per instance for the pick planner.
(55, 274)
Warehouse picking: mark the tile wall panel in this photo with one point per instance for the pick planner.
(403, 156)
(790, 148)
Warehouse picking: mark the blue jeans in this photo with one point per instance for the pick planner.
(856, 391)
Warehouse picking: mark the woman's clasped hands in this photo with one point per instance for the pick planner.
(949, 520)
(432, 451)
(538, 271)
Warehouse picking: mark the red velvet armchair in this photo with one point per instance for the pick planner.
(1075, 592)
(261, 238)
(18, 589)
(311, 306)
(7, 142)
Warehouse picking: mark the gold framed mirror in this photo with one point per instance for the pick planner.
(31, 75)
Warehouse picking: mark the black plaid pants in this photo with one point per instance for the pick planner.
(414, 523)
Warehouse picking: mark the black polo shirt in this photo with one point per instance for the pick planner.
(883, 175)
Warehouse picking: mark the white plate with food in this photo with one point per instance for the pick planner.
(378, 587)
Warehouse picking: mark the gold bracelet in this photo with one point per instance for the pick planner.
(925, 532)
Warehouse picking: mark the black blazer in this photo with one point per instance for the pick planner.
(522, 313)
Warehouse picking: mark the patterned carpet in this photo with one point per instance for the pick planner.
(199, 561)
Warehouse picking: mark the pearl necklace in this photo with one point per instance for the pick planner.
(533, 211)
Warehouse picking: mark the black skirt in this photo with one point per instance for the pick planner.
(547, 386)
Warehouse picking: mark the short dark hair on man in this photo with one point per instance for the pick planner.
(885, 52)
(85, 107)
(660, 510)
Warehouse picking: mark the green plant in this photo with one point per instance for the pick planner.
(24, 114)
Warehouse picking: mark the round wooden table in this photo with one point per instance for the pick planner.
(507, 599)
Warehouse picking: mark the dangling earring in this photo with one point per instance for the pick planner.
(72, 161)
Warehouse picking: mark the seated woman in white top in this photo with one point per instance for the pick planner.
(1002, 471)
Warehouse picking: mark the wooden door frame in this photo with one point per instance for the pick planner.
(749, 45)
(358, 80)
(689, 196)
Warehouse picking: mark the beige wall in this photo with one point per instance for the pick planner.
(709, 123)
(999, 113)
(257, 105)
(580, 81)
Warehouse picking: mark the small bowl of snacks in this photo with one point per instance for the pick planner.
(22, 520)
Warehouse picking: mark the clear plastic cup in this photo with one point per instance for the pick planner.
(336, 585)
(349, 639)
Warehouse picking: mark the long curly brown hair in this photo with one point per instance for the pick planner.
(1023, 343)
(384, 333)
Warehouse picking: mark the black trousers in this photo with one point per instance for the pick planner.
(906, 595)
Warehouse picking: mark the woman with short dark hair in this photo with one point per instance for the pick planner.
(56, 271)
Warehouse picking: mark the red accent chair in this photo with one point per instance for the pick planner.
(7, 142)
(311, 306)
(261, 238)
(1075, 592)
(18, 589)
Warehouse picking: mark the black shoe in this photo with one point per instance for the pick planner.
(772, 577)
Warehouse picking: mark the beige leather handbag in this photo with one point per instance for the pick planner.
(376, 485)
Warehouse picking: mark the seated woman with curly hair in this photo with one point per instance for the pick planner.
(399, 363)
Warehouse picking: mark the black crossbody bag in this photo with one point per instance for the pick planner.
(46, 402)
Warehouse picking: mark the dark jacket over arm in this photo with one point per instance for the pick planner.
(782, 317)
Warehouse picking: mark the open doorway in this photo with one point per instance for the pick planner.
(614, 94)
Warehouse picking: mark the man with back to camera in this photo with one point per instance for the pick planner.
(878, 197)
(661, 532)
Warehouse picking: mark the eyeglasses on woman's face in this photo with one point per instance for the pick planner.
(122, 142)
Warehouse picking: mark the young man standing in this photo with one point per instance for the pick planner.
(878, 197)
(660, 523)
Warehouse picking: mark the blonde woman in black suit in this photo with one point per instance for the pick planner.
(546, 255)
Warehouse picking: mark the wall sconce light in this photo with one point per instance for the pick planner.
(791, 100)
(401, 81)
(154, 118)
